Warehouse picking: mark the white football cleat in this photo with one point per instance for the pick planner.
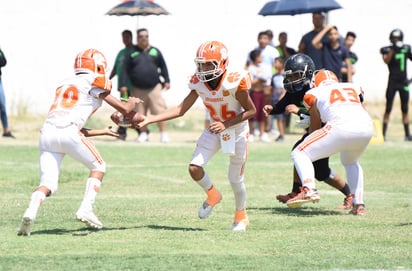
(213, 198)
(26, 223)
(240, 226)
(205, 210)
(89, 218)
(25, 226)
(241, 221)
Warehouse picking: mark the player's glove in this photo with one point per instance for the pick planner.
(304, 121)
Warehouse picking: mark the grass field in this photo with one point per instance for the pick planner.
(148, 205)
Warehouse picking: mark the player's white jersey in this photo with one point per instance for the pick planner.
(76, 99)
(221, 102)
(338, 103)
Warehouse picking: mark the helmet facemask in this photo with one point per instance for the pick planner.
(396, 35)
(296, 81)
(211, 60)
(299, 69)
(207, 70)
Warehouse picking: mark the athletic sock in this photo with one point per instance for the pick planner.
(205, 182)
(345, 190)
(384, 128)
(296, 187)
(36, 200)
(92, 187)
(406, 128)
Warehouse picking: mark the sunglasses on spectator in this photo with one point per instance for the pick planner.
(143, 36)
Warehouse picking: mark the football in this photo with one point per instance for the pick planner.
(130, 120)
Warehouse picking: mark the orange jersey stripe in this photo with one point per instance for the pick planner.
(313, 137)
(92, 149)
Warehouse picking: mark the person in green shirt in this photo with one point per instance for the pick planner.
(127, 38)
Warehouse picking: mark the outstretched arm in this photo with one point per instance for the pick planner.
(98, 132)
(172, 113)
(122, 107)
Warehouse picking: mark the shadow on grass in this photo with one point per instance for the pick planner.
(168, 228)
(88, 231)
(80, 231)
(405, 224)
(303, 211)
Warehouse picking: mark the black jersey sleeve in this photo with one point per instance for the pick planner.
(385, 50)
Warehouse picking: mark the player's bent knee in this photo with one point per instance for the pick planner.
(237, 187)
(51, 185)
(99, 167)
(196, 172)
(326, 177)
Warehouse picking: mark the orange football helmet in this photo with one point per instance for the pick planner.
(211, 60)
(90, 61)
(324, 77)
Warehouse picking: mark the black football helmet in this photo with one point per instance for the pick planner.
(299, 69)
(396, 35)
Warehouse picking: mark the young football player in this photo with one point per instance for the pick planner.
(340, 124)
(76, 98)
(299, 71)
(225, 94)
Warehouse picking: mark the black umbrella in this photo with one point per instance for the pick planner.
(293, 7)
(138, 8)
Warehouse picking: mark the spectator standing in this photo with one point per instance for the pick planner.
(340, 124)
(3, 110)
(396, 56)
(284, 50)
(225, 93)
(277, 93)
(63, 133)
(270, 34)
(259, 91)
(146, 68)
(333, 52)
(348, 43)
(269, 53)
(306, 47)
(127, 39)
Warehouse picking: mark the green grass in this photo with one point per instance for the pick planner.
(148, 205)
